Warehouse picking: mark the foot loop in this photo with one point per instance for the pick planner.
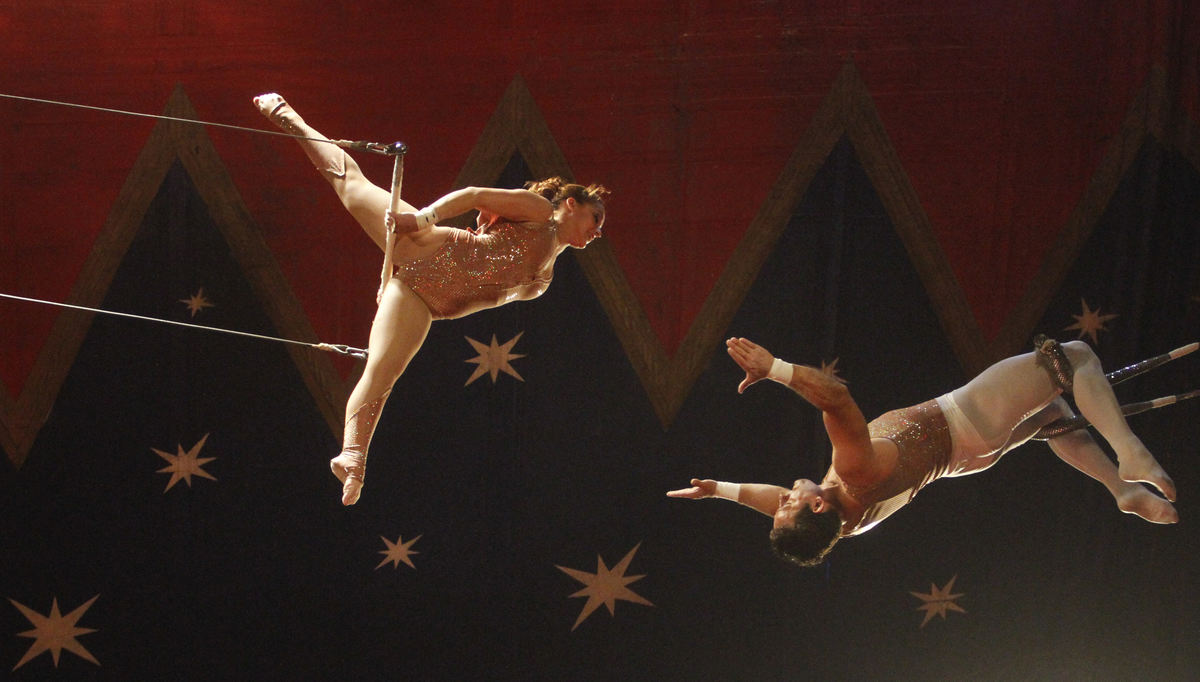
(1053, 359)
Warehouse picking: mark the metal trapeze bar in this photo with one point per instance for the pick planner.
(1068, 424)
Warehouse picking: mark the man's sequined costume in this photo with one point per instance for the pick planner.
(933, 439)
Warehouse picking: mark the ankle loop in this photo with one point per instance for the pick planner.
(1053, 359)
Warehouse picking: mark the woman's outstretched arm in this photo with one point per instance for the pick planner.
(513, 204)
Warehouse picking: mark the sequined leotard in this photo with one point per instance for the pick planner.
(503, 262)
(922, 438)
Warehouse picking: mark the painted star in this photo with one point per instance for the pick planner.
(397, 552)
(185, 464)
(55, 632)
(494, 359)
(1091, 322)
(938, 601)
(197, 302)
(605, 586)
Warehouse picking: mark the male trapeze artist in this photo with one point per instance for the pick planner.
(878, 467)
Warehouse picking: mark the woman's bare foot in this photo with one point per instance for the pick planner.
(327, 158)
(278, 111)
(1136, 499)
(350, 469)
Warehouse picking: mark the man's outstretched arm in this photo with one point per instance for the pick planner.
(758, 496)
(853, 457)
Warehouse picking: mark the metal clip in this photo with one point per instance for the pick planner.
(342, 349)
(393, 149)
(348, 350)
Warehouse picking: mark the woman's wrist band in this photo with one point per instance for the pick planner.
(426, 217)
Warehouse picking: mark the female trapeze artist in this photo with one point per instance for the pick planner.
(440, 272)
(878, 467)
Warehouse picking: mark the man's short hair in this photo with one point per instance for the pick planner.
(809, 538)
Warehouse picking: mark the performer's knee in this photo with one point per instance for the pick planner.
(1080, 354)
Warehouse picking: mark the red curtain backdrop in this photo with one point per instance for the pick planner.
(1000, 114)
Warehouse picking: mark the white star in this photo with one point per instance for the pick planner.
(938, 601)
(605, 586)
(196, 302)
(494, 359)
(397, 552)
(185, 464)
(55, 632)
(1091, 322)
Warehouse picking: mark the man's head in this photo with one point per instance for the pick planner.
(809, 538)
(807, 524)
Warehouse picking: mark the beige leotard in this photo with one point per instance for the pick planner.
(472, 271)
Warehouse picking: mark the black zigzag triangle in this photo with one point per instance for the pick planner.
(517, 125)
(189, 145)
(1151, 115)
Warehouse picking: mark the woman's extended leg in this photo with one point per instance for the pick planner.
(397, 333)
(367, 202)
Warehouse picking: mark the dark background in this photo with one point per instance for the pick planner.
(1005, 118)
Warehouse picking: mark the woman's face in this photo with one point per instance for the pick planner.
(579, 222)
